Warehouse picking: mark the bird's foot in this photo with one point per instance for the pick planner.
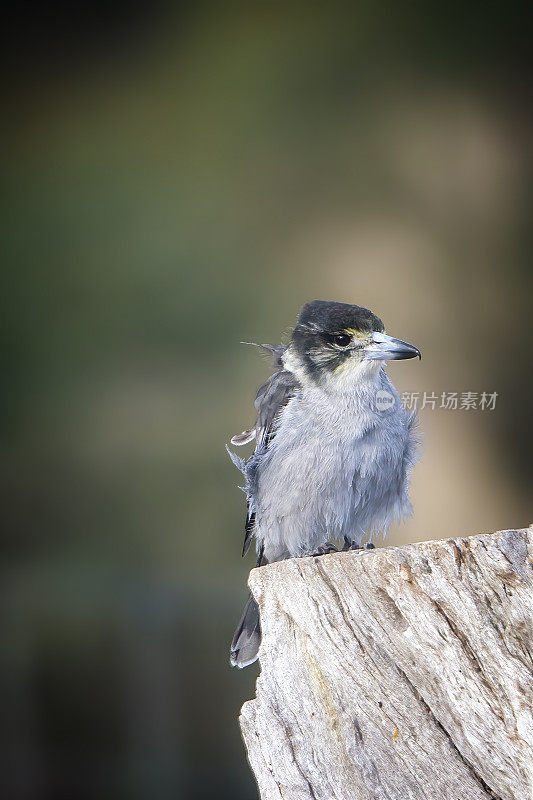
(348, 545)
(324, 549)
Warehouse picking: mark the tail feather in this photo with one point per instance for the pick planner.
(247, 638)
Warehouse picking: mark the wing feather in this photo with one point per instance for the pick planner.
(271, 398)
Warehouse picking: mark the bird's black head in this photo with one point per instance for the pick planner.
(332, 338)
(330, 318)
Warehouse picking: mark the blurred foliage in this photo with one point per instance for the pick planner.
(178, 179)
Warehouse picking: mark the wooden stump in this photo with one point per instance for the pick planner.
(396, 673)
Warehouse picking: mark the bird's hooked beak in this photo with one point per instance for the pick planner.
(387, 347)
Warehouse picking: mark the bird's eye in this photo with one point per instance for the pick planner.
(342, 340)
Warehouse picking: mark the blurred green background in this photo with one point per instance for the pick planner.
(178, 178)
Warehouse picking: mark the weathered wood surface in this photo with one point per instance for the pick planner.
(396, 673)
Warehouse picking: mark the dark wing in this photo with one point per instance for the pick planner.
(271, 398)
(276, 352)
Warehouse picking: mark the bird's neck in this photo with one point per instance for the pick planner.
(364, 378)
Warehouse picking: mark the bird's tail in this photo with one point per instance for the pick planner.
(247, 637)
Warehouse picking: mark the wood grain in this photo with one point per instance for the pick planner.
(396, 673)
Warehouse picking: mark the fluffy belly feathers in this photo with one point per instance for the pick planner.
(328, 486)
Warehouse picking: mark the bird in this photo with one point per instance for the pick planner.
(334, 446)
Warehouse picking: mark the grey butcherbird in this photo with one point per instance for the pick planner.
(334, 445)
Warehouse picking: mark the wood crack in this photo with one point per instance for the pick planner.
(339, 603)
(441, 727)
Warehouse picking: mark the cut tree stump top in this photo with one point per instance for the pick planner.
(396, 673)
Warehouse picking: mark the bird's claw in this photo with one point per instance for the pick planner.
(348, 545)
(324, 549)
